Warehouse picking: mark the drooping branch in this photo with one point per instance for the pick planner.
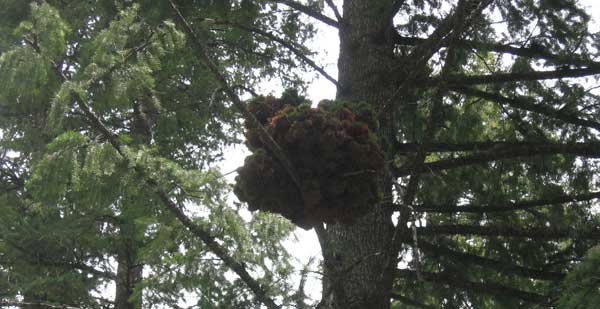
(196, 230)
(204, 235)
(215, 248)
(528, 104)
(528, 52)
(310, 12)
(586, 150)
(282, 42)
(497, 265)
(507, 231)
(510, 206)
(488, 288)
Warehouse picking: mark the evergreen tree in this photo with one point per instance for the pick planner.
(105, 114)
(112, 113)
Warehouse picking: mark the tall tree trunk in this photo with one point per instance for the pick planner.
(355, 255)
(128, 275)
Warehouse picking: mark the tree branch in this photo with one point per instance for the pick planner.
(215, 248)
(463, 80)
(528, 104)
(510, 206)
(464, 12)
(335, 10)
(528, 52)
(587, 150)
(406, 148)
(34, 305)
(309, 11)
(506, 231)
(489, 288)
(499, 266)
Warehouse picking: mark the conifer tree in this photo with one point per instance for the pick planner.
(112, 114)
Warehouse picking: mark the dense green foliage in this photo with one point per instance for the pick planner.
(71, 204)
(581, 284)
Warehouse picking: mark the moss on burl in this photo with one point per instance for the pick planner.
(332, 147)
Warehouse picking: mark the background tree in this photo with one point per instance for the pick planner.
(489, 132)
(105, 110)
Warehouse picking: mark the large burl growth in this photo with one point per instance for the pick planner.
(333, 150)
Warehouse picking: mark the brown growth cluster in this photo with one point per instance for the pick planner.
(333, 150)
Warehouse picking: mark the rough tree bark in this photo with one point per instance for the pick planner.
(355, 255)
(128, 275)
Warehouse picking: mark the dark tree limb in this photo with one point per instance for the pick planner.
(310, 12)
(585, 150)
(406, 148)
(34, 305)
(506, 231)
(488, 288)
(335, 10)
(522, 205)
(528, 104)
(391, 13)
(497, 265)
(528, 52)
(463, 80)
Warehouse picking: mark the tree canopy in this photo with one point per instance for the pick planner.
(478, 160)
